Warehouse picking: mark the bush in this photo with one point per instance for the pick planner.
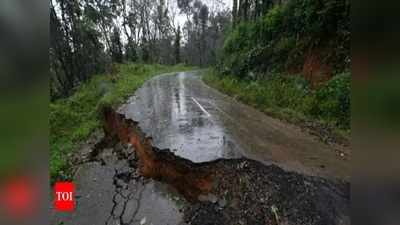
(272, 23)
(290, 97)
(332, 101)
(276, 91)
(279, 39)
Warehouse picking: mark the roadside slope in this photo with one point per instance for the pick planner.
(74, 119)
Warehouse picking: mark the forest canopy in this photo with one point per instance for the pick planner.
(249, 40)
(87, 37)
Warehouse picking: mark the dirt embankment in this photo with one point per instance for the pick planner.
(188, 178)
(315, 69)
(235, 191)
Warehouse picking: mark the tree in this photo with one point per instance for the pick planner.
(185, 6)
(116, 46)
(246, 7)
(177, 45)
(130, 51)
(76, 51)
(234, 12)
(203, 16)
(86, 36)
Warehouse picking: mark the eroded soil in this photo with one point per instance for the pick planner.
(235, 191)
(127, 177)
(200, 124)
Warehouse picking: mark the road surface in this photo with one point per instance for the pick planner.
(196, 122)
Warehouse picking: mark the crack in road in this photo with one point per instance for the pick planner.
(122, 200)
(139, 182)
(128, 184)
(241, 182)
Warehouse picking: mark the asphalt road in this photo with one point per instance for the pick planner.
(196, 122)
(183, 114)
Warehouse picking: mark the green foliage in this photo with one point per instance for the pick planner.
(280, 38)
(332, 101)
(254, 51)
(290, 97)
(72, 120)
(272, 21)
(277, 91)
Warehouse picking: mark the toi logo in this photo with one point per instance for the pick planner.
(64, 196)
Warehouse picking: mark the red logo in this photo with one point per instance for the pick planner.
(64, 196)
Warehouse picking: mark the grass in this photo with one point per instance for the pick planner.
(290, 98)
(74, 119)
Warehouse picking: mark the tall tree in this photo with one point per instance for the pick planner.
(116, 46)
(234, 12)
(88, 35)
(203, 16)
(246, 8)
(75, 47)
(177, 45)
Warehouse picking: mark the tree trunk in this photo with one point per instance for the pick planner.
(234, 13)
(246, 10)
(240, 12)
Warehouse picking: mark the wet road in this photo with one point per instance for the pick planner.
(110, 191)
(197, 122)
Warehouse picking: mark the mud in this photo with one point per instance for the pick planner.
(235, 191)
(315, 69)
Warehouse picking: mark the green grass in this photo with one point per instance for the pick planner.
(290, 98)
(74, 119)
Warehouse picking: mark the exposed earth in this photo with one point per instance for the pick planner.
(180, 152)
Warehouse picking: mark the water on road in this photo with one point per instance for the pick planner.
(197, 122)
